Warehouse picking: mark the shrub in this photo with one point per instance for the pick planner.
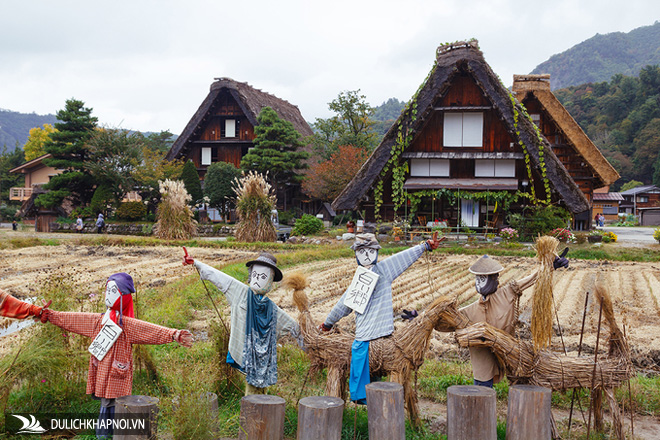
(564, 235)
(581, 237)
(609, 237)
(539, 220)
(509, 234)
(102, 199)
(131, 211)
(307, 225)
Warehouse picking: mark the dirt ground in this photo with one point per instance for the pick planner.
(635, 290)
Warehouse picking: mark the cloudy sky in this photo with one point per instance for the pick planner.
(148, 64)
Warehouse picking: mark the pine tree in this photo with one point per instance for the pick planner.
(276, 151)
(67, 146)
(190, 179)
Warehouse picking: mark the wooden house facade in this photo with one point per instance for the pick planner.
(646, 196)
(577, 153)
(461, 139)
(222, 129)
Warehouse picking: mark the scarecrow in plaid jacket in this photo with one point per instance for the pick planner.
(256, 321)
(113, 334)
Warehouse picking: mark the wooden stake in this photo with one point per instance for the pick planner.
(593, 376)
(584, 317)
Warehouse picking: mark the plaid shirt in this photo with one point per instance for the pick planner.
(236, 294)
(378, 318)
(113, 376)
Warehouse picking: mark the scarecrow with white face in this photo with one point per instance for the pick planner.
(498, 307)
(256, 321)
(11, 307)
(113, 334)
(370, 296)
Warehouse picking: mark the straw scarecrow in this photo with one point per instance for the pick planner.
(113, 335)
(370, 296)
(256, 321)
(498, 306)
(11, 307)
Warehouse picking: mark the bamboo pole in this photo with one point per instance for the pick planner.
(584, 317)
(593, 376)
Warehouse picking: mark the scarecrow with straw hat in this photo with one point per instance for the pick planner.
(370, 296)
(498, 306)
(113, 335)
(256, 321)
(11, 307)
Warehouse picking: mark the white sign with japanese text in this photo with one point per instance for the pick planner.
(105, 339)
(360, 290)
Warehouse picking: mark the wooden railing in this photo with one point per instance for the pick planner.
(20, 193)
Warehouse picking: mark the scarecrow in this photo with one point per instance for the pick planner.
(113, 334)
(11, 307)
(498, 306)
(370, 296)
(256, 321)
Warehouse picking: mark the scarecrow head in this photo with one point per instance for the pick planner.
(262, 272)
(487, 273)
(366, 249)
(118, 298)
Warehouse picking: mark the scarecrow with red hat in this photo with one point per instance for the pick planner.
(11, 307)
(498, 307)
(370, 296)
(113, 335)
(256, 321)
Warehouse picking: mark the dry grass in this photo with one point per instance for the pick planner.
(254, 203)
(174, 216)
(542, 307)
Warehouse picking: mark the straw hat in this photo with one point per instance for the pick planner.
(266, 259)
(486, 266)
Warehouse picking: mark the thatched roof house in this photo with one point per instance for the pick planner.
(224, 124)
(577, 152)
(462, 131)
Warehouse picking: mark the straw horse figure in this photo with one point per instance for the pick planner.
(398, 355)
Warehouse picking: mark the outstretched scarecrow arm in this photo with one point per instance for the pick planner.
(142, 332)
(74, 322)
(11, 307)
(395, 265)
(221, 280)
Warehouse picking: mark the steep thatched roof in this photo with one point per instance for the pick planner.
(539, 87)
(450, 60)
(250, 100)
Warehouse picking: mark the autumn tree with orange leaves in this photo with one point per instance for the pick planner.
(325, 180)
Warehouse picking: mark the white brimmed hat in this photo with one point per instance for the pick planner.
(486, 266)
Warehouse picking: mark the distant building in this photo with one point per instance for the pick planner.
(607, 203)
(222, 129)
(646, 196)
(36, 173)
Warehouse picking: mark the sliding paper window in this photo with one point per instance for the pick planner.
(463, 129)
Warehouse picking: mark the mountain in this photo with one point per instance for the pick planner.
(15, 127)
(602, 56)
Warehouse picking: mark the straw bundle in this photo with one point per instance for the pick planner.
(254, 203)
(546, 250)
(618, 344)
(398, 355)
(525, 364)
(174, 218)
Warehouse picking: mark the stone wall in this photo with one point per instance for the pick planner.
(204, 230)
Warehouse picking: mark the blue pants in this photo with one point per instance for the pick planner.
(107, 414)
(487, 383)
(359, 377)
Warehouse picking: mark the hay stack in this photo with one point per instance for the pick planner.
(254, 203)
(546, 250)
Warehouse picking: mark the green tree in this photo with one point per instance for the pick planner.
(111, 157)
(276, 151)
(151, 168)
(8, 161)
(190, 179)
(352, 125)
(34, 147)
(68, 148)
(219, 185)
(630, 185)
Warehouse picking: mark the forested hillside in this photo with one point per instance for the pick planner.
(15, 127)
(622, 117)
(602, 56)
(385, 115)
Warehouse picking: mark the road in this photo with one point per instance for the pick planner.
(633, 235)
